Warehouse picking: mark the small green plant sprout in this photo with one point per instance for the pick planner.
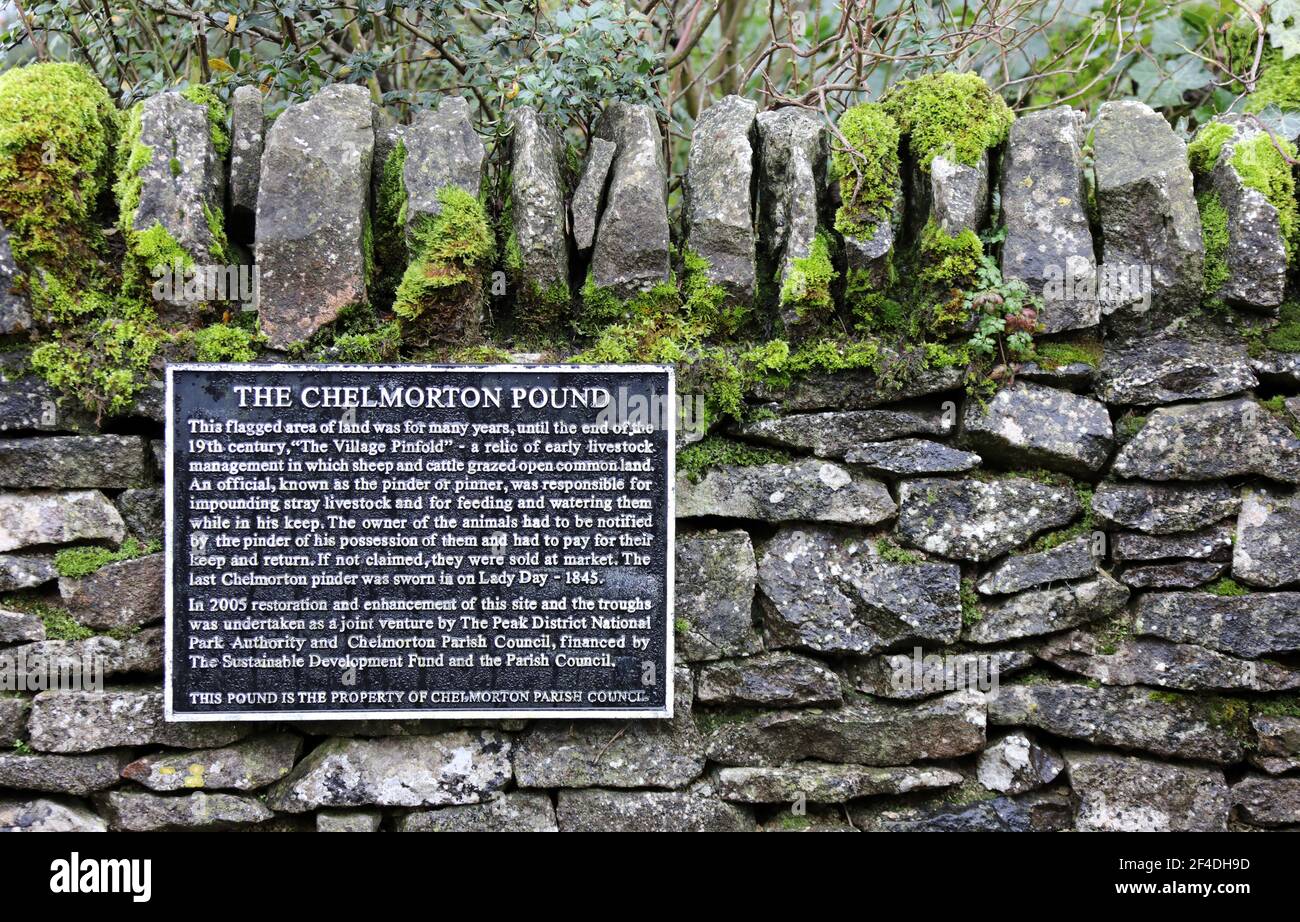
(1006, 319)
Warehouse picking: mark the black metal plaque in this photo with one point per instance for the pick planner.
(419, 541)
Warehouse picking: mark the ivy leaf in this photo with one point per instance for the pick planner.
(1280, 34)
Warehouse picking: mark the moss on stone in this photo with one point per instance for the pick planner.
(59, 624)
(450, 252)
(389, 226)
(868, 173)
(707, 304)
(956, 116)
(222, 342)
(58, 128)
(970, 603)
(1278, 85)
(1264, 168)
(1203, 150)
(1285, 337)
(1214, 231)
(807, 286)
(218, 115)
(889, 551)
(598, 307)
(1227, 587)
(694, 461)
(1052, 356)
(76, 562)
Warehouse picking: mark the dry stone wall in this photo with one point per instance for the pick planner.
(1073, 603)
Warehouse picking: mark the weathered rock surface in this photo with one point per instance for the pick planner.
(1033, 426)
(587, 198)
(597, 810)
(183, 182)
(966, 811)
(1072, 376)
(442, 149)
(1049, 242)
(911, 458)
(959, 194)
(1191, 365)
(1187, 574)
(1147, 204)
(20, 627)
(245, 766)
(312, 209)
(1130, 794)
(718, 207)
(1277, 743)
(73, 461)
(867, 733)
(140, 653)
(137, 811)
(833, 593)
(1278, 368)
(15, 315)
(599, 753)
(1256, 254)
(142, 512)
(770, 680)
(125, 594)
(859, 389)
(1069, 561)
(1264, 801)
(1162, 509)
(46, 815)
(1152, 661)
(86, 721)
(25, 572)
(831, 435)
(27, 402)
(826, 783)
(1208, 441)
(247, 138)
(80, 775)
(979, 520)
(1251, 626)
(1044, 611)
(714, 596)
(1214, 543)
(1266, 551)
(793, 149)
(1015, 763)
(917, 674)
(807, 490)
(517, 811)
(13, 719)
(31, 517)
(454, 767)
(537, 200)
(631, 249)
(1127, 718)
(350, 820)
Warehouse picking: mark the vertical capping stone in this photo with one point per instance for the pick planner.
(1256, 253)
(183, 182)
(631, 249)
(1148, 213)
(585, 209)
(794, 146)
(868, 258)
(1049, 241)
(312, 209)
(442, 149)
(247, 139)
(537, 201)
(15, 316)
(959, 194)
(719, 194)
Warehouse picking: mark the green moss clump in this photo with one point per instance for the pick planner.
(1227, 587)
(222, 342)
(970, 603)
(955, 116)
(694, 461)
(807, 287)
(707, 304)
(75, 562)
(1278, 85)
(59, 625)
(1263, 167)
(1204, 149)
(946, 268)
(358, 335)
(889, 551)
(481, 354)
(1085, 524)
(58, 128)
(451, 251)
(1285, 337)
(218, 115)
(539, 311)
(598, 307)
(1214, 231)
(868, 173)
(1063, 354)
